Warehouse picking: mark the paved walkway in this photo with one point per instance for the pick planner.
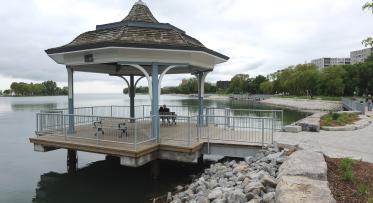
(357, 144)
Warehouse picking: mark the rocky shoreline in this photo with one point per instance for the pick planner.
(251, 180)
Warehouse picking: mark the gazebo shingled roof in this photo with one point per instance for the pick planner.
(139, 30)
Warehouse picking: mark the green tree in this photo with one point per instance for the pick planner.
(191, 86)
(368, 42)
(1, 92)
(331, 81)
(254, 84)
(368, 6)
(266, 87)
(50, 87)
(7, 92)
(239, 84)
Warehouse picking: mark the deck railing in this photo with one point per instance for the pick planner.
(353, 105)
(145, 110)
(186, 131)
(137, 131)
(226, 115)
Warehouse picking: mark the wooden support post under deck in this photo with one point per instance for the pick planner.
(72, 161)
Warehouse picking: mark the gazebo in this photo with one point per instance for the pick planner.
(141, 47)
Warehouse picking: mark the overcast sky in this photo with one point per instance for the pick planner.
(259, 36)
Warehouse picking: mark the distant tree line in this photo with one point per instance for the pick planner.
(140, 90)
(338, 80)
(189, 86)
(299, 80)
(47, 88)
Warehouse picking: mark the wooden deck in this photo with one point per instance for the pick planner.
(183, 138)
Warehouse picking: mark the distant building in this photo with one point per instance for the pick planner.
(360, 56)
(325, 62)
(184, 82)
(222, 84)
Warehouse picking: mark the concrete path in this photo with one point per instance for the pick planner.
(357, 144)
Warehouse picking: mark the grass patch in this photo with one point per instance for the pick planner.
(338, 119)
(363, 188)
(346, 169)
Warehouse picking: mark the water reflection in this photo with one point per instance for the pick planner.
(107, 181)
(33, 106)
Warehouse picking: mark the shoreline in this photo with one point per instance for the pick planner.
(304, 105)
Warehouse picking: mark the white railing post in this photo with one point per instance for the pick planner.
(97, 134)
(135, 138)
(233, 122)
(262, 132)
(272, 130)
(208, 140)
(64, 127)
(189, 130)
(37, 124)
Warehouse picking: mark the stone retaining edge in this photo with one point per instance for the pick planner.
(357, 126)
(291, 186)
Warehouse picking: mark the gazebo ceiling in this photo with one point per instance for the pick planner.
(138, 38)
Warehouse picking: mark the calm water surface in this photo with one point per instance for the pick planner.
(28, 176)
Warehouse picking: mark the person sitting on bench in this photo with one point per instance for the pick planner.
(165, 109)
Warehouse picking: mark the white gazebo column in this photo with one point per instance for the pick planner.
(155, 102)
(132, 92)
(201, 76)
(70, 75)
(72, 156)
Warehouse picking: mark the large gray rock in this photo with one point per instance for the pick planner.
(254, 187)
(294, 189)
(293, 128)
(269, 197)
(215, 194)
(304, 163)
(235, 197)
(254, 201)
(268, 181)
(311, 123)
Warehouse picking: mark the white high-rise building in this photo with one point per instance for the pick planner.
(325, 62)
(360, 56)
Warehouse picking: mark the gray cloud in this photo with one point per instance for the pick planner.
(259, 36)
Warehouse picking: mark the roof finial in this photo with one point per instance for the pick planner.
(140, 2)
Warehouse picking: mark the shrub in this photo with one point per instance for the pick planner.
(346, 169)
(346, 164)
(347, 176)
(338, 119)
(363, 188)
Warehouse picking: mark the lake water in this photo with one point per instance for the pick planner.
(28, 176)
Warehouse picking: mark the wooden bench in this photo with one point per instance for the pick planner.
(107, 124)
(170, 117)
